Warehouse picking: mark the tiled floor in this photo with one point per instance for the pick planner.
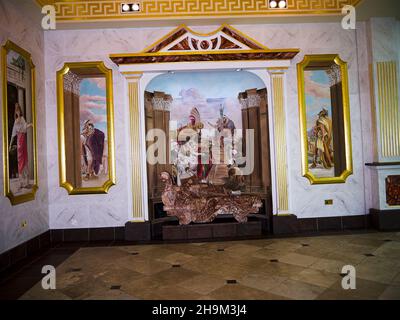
(284, 268)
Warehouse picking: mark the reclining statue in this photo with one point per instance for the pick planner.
(200, 203)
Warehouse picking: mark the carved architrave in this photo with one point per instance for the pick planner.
(185, 45)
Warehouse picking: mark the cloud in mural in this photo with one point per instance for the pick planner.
(315, 89)
(92, 107)
(86, 114)
(92, 102)
(99, 82)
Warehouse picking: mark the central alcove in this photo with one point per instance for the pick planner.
(215, 126)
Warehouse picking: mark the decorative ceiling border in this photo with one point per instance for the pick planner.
(102, 10)
(185, 45)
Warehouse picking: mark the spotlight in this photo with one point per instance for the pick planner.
(277, 4)
(136, 7)
(282, 4)
(130, 7)
(126, 7)
(273, 4)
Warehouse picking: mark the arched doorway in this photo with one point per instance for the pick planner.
(228, 112)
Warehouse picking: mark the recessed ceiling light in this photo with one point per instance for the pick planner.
(130, 7)
(136, 7)
(282, 4)
(125, 7)
(273, 4)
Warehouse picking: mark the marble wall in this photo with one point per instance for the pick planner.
(305, 200)
(19, 27)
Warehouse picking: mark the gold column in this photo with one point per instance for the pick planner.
(278, 107)
(136, 151)
(388, 110)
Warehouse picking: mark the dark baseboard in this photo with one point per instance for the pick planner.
(87, 234)
(385, 220)
(290, 224)
(24, 251)
(167, 229)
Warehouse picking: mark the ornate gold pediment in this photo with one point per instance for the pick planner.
(105, 10)
(225, 44)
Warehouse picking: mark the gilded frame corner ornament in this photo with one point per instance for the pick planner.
(18, 199)
(110, 128)
(328, 58)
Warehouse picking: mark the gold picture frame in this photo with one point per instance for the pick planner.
(19, 86)
(85, 70)
(329, 164)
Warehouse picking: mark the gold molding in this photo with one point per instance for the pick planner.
(389, 113)
(110, 128)
(303, 118)
(7, 192)
(133, 79)
(106, 10)
(278, 96)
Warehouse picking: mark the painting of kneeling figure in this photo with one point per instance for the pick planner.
(208, 145)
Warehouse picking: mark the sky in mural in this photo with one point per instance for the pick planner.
(317, 89)
(93, 102)
(207, 91)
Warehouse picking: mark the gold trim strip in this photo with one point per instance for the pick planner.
(389, 113)
(133, 95)
(280, 140)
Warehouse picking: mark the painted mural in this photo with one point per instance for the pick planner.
(319, 123)
(20, 116)
(93, 124)
(205, 121)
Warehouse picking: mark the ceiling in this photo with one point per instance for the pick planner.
(74, 14)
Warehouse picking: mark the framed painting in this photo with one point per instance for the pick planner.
(324, 119)
(19, 124)
(85, 127)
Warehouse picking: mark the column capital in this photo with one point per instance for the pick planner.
(132, 76)
(277, 70)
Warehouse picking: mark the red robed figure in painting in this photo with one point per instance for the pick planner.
(19, 130)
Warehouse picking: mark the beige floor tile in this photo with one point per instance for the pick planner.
(261, 281)
(396, 280)
(297, 290)
(298, 259)
(302, 272)
(284, 246)
(170, 293)
(391, 293)
(376, 273)
(143, 265)
(267, 253)
(203, 284)
(174, 276)
(328, 265)
(242, 249)
(240, 292)
(281, 269)
(176, 258)
(38, 293)
(330, 294)
(317, 277)
(364, 288)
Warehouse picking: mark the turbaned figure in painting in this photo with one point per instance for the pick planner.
(323, 141)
